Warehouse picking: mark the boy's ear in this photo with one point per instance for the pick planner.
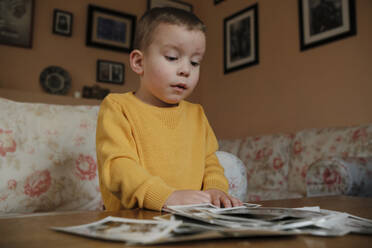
(136, 61)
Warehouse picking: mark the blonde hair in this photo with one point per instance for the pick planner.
(156, 16)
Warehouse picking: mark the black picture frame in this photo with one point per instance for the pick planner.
(169, 3)
(62, 22)
(17, 23)
(110, 72)
(217, 1)
(241, 41)
(110, 29)
(325, 21)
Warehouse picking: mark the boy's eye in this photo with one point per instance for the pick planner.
(171, 58)
(194, 63)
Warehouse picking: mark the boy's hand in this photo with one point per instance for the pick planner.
(220, 198)
(185, 197)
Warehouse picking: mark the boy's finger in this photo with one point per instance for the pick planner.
(216, 202)
(226, 202)
(235, 202)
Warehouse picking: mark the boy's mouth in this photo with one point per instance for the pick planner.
(180, 86)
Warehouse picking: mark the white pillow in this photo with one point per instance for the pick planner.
(236, 174)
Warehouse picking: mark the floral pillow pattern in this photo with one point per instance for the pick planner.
(341, 176)
(312, 145)
(267, 161)
(47, 157)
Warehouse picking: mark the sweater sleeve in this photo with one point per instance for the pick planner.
(122, 179)
(214, 177)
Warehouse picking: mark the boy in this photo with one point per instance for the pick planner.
(153, 148)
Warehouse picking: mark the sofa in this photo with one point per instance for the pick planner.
(310, 162)
(48, 161)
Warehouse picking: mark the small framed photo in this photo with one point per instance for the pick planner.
(110, 72)
(169, 3)
(110, 29)
(62, 22)
(241, 39)
(16, 23)
(218, 1)
(324, 21)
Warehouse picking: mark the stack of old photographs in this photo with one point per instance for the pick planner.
(205, 221)
(308, 220)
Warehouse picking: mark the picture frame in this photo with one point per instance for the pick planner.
(217, 1)
(325, 21)
(169, 3)
(241, 41)
(110, 29)
(16, 20)
(62, 22)
(110, 72)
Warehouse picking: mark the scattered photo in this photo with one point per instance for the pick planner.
(200, 222)
(122, 229)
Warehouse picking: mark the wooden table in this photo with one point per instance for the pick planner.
(33, 231)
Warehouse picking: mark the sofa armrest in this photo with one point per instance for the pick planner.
(338, 176)
(236, 174)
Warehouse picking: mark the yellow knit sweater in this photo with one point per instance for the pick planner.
(145, 153)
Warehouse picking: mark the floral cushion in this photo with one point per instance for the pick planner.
(267, 161)
(348, 176)
(235, 173)
(314, 144)
(47, 157)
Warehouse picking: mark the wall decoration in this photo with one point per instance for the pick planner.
(324, 21)
(16, 22)
(110, 72)
(110, 29)
(218, 1)
(169, 3)
(241, 39)
(62, 22)
(55, 80)
(95, 92)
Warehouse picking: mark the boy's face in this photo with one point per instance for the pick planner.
(171, 65)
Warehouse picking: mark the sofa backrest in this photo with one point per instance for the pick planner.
(266, 158)
(47, 157)
(280, 161)
(311, 145)
(36, 97)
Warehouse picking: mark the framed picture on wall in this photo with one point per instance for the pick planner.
(324, 21)
(16, 22)
(169, 3)
(110, 29)
(241, 39)
(110, 72)
(62, 22)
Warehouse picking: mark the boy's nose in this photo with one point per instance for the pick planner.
(184, 69)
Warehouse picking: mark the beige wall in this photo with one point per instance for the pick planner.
(288, 90)
(21, 68)
(330, 85)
